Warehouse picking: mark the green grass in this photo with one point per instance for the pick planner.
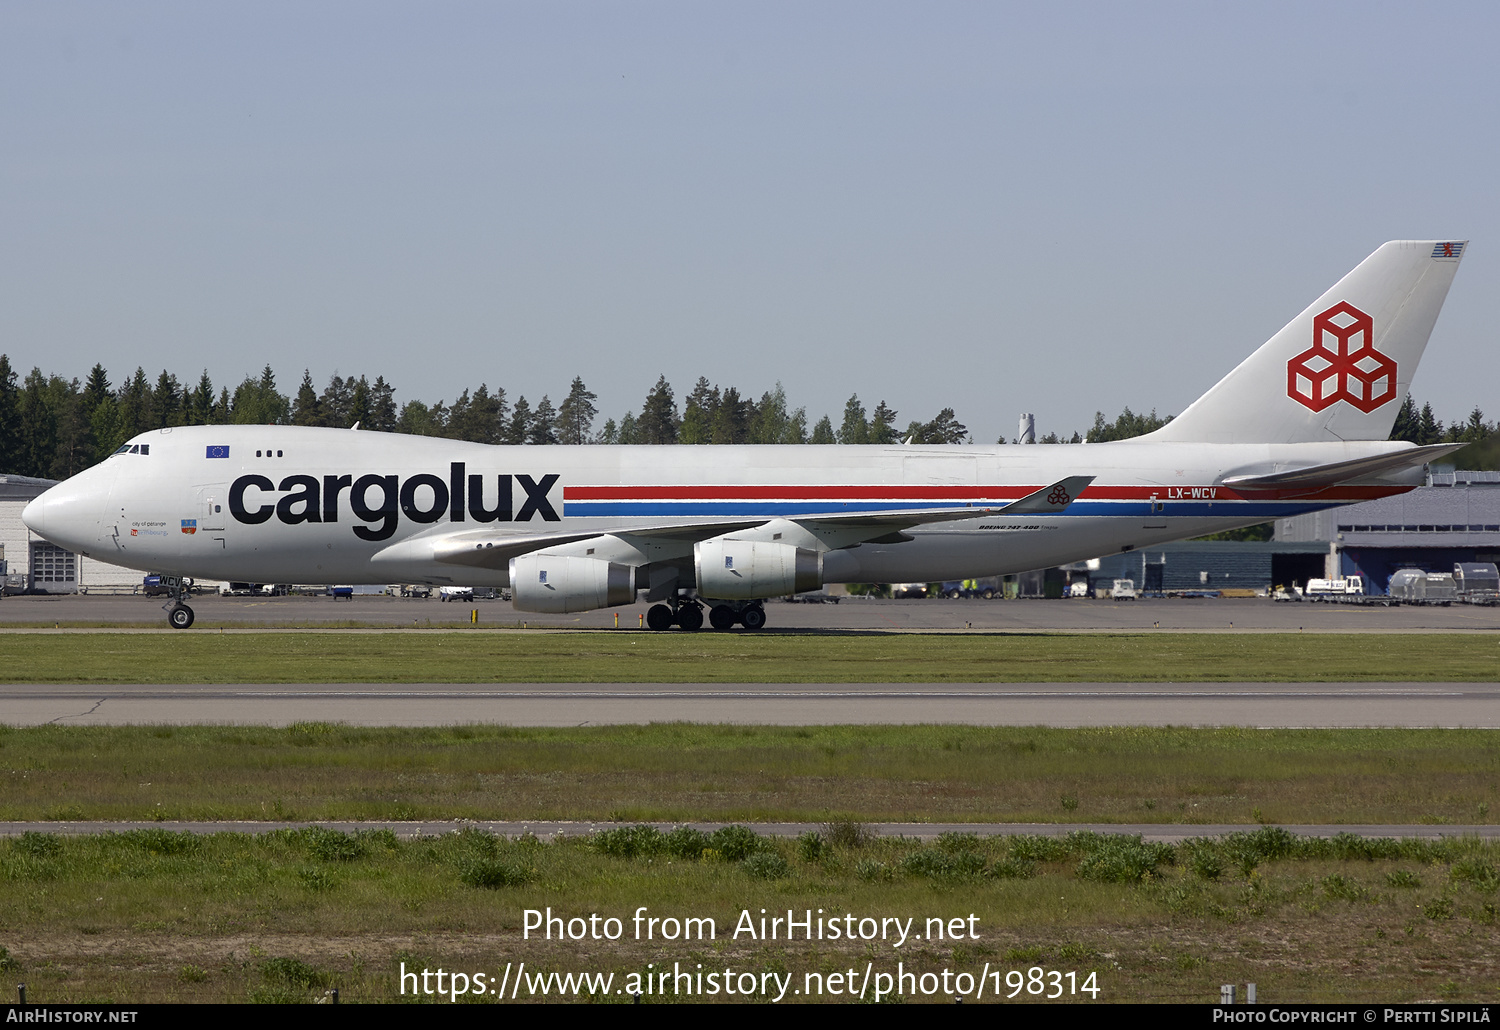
(691, 772)
(628, 656)
(150, 916)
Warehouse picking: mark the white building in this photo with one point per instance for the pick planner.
(33, 564)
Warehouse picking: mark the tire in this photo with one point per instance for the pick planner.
(722, 617)
(753, 617)
(180, 617)
(690, 617)
(659, 617)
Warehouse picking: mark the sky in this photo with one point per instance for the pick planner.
(1000, 208)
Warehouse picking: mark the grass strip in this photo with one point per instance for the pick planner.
(633, 657)
(152, 916)
(686, 772)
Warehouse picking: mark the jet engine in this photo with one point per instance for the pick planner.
(749, 569)
(557, 584)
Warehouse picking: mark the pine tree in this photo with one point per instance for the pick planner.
(38, 430)
(96, 390)
(1408, 422)
(74, 449)
(1431, 430)
(333, 405)
(307, 410)
(201, 403)
(134, 403)
(823, 431)
(10, 418)
(855, 429)
(698, 413)
(883, 425)
(382, 406)
(543, 424)
(520, 422)
(576, 414)
(658, 422)
(731, 421)
(359, 403)
(166, 402)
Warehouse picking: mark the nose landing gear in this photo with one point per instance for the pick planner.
(179, 615)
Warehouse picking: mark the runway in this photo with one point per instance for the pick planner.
(1265, 705)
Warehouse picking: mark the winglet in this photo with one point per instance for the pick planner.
(1049, 500)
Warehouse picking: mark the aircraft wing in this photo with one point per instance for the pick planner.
(1338, 473)
(493, 548)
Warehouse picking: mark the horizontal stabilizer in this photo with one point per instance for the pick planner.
(1319, 477)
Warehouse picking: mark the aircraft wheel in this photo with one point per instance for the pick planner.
(721, 617)
(659, 617)
(180, 617)
(753, 617)
(690, 617)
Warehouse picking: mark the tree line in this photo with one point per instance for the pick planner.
(52, 427)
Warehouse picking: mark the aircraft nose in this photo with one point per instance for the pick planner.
(67, 515)
(34, 515)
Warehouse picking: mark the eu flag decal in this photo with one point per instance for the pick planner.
(216, 451)
(190, 526)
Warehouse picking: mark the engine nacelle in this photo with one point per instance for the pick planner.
(751, 569)
(557, 584)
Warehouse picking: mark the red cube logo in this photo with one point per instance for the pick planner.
(1342, 364)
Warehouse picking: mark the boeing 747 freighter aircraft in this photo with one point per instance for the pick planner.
(1301, 424)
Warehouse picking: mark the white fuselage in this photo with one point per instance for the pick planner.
(299, 505)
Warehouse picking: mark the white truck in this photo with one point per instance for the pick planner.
(1123, 590)
(1334, 589)
(1345, 591)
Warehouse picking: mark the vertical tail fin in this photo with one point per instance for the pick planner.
(1339, 370)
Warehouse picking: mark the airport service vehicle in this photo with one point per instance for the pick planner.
(1300, 425)
(1123, 590)
(455, 593)
(1477, 582)
(1416, 586)
(1323, 589)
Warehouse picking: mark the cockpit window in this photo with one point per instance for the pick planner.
(139, 448)
(124, 448)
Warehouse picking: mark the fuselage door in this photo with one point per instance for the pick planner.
(212, 517)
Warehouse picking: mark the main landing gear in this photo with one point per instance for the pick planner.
(179, 615)
(688, 614)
